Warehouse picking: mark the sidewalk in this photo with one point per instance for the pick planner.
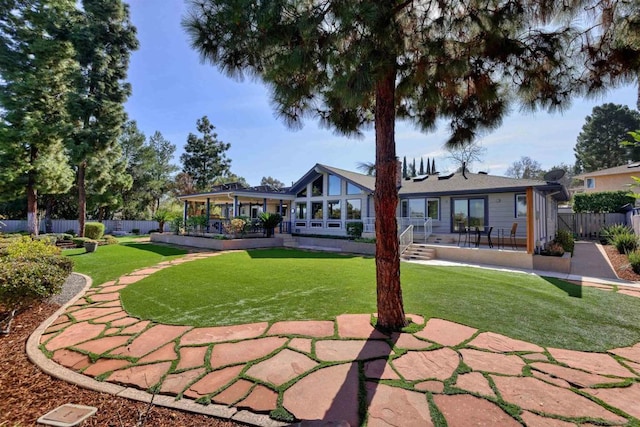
(319, 370)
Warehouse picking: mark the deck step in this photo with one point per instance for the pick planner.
(419, 252)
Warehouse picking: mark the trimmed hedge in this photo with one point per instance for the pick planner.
(602, 202)
(25, 281)
(94, 230)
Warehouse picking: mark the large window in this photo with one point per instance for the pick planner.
(415, 208)
(301, 210)
(317, 186)
(352, 189)
(316, 210)
(433, 208)
(303, 192)
(354, 209)
(469, 213)
(333, 209)
(591, 183)
(334, 185)
(521, 205)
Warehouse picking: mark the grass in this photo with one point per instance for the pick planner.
(280, 284)
(112, 261)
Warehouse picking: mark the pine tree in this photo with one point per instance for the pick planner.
(353, 63)
(103, 38)
(421, 166)
(405, 173)
(36, 65)
(428, 167)
(414, 172)
(205, 158)
(433, 166)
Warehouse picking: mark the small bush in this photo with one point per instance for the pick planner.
(48, 238)
(634, 260)
(177, 225)
(26, 247)
(609, 232)
(94, 230)
(108, 239)
(23, 282)
(555, 249)
(71, 232)
(79, 241)
(135, 230)
(625, 242)
(565, 239)
(355, 229)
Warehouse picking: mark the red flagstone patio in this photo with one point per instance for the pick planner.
(331, 370)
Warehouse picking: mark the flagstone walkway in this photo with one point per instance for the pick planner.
(342, 370)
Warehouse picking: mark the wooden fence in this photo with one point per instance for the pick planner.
(588, 225)
(63, 225)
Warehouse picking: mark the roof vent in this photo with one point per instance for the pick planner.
(633, 165)
(420, 178)
(446, 176)
(483, 173)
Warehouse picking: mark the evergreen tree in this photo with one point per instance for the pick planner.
(598, 145)
(36, 67)
(272, 182)
(428, 167)
(103, 38)
(205, 158)
(161, 168)
(421, 166)
(138, 157)
(433, 166)
(353, 63)
(405, 173)
(413, 168)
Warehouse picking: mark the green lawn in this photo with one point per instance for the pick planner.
(112, 261)
(280, 284)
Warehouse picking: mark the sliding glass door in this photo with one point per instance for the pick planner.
(469, 212)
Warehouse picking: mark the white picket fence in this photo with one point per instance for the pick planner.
(63, 225)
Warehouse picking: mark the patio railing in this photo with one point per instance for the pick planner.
(406, 239)
(426, 224)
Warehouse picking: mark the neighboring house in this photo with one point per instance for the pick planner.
(325, 199)
(618, 178)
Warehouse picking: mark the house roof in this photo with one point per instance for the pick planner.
(618, 170)
(366, 182)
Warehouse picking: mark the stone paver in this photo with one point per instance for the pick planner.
(535, 356)
(244, 351)
(390, 405)
(74, 334)
(101, 345)
(71, 359)
(476, 383)
(631, 353)
(93, 313)
(223, 333)
(302, 344)
(261, 399)
(409, 342)
(136, 328)
(501, 344)
(233, 393)
(166, 352)
(213, 381)
(598, 363)
(422, 365)
(191, 357)
(333, 391)
(548, 378)
(627, 398)
(431, 385)
(318, 329)
(103, 366)
(127, 280)
(176, 383)
(282, 367)
(151, 339)
(533, 394)
(335, 351)
(492, 362)
(445, 332)
(142, 376)
(380, 369)
(357, 326)
(573, 376)
(464, 410)
(534, 420)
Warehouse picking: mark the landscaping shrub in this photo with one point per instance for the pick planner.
(269, 221)
(608, 232)
(602, 202)
(71, 232)
(625, 242)
(49, 238)
(355, 229)
(235, 226)
(94, 230)
(565, 239)
(634, 260)
(135, 230)
(554, 249)
(79, 241)
(26, 247)
(108, 239)
(177, 225)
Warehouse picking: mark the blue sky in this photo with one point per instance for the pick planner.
(172, 89)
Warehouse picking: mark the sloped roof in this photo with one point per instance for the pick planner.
(622, 169)
(365, 181)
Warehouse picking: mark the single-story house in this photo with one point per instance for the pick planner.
(325, 199)
(618, 178)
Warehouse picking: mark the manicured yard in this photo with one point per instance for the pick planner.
(279, 284)
(112, 261)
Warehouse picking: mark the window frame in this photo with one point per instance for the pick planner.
(485, 201)
(330, 190)
(590, 183)
(330, 211)
(517, 213)
(348, 202)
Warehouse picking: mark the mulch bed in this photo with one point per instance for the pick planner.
(621, 264)
(26, 393)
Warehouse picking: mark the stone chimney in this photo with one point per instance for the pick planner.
(398, 173)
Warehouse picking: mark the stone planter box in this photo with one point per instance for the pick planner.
(215, 244)
(553, 263)
(336, 245)
(90, 246)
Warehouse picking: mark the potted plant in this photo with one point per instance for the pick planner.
(90, 245)
(269, 222)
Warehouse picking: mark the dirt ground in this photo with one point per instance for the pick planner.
(621, 264)
(26, 393)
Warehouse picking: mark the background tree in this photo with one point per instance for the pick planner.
(183, 185)
(405, 171)
(205, 158)
(36, 67)
(272, 182)
(138, 157)
(367, 168)
(161, 169)
(104, 38)
(598, 145)
(421, 172)
(229, 178)
(351, 64)
(412, 169)
(525, 168)
(466, 154)
(569, 173)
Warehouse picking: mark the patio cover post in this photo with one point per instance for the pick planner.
(530, 221)
(264, 204)
(280, 213)
(208, 212)
(184, 211)
(235, 206)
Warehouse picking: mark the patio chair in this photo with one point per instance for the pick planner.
(478, 232)
(512, 235)
(489, 237)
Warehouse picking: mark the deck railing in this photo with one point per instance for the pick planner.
(406, 239)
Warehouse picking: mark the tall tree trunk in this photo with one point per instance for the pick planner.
(390, 307)
(32, 195)
(82, 198)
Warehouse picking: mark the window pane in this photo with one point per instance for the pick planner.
(591, 183)
(301, 210)
(333, 206)
(433, 208)
(316, 210)
(352, 189)
(317, 186)
(476, 213)
(521, 206)
(460, 214)
(302, 193)
(354, 209)
(416, 208)
(334, 185)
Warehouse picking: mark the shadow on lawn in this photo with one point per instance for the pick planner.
(296, 254)
(571, 289)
